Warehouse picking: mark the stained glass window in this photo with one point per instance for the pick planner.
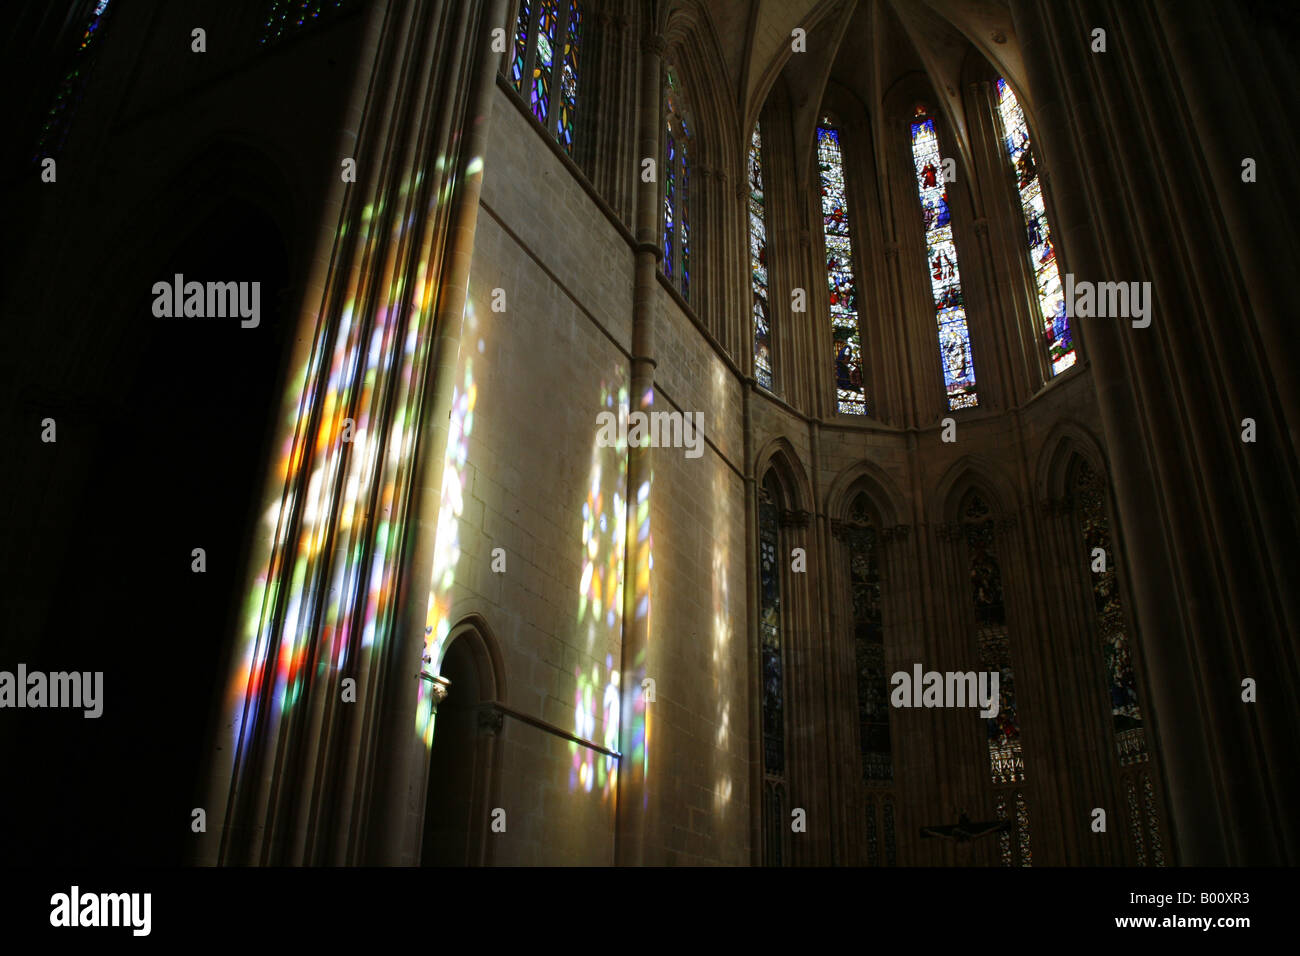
(1121, 680)
(772, 691)
(1006, 760)
(1042, 252)
(891, 838)
(677, 189)
(1153, 821)
(546, 57)
(869, 647)
(873, 843)
(774, 828)
(770, 636)
(283, 17)
(569, 77)
(1006, 757)
(841, 277)
(67, 96)
(758, 263)
(941, 264)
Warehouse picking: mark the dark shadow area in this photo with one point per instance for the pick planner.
(180, 468)
(453, 766)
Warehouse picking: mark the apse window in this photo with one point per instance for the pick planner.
(955, 353)
(1042, 251)
(758, 263)
(677, 188)
(545, 66)
(841, 274)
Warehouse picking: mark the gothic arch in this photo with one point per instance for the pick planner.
(775, 67)
(898, 105)
(967, 473)
(890, 505)
(473, 629)
(696, 56)
(718, 171)
(780, 456)
(464, 757)
(1067, 440)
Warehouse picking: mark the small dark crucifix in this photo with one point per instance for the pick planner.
(964, 830)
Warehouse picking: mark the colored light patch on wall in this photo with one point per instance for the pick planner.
(447, 552)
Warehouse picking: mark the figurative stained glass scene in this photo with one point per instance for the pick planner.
(1042, 252)
(1121, 681)
(758, 263)
(941, 263)
(770, 639)
(677, 189)
(67, 96)
(869, 649)
(850, 394)
(1006, 759)
(548, 38)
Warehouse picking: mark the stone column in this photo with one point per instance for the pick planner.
(340, 575)
(402, 765)
(1209, 520)
(637, 803)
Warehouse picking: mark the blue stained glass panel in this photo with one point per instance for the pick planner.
(955, 353)
(1038, 234)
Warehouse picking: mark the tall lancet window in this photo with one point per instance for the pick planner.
(841, 277)
(1006, 758)
(772, 673)
(758, 263)
(941, 263)
(67, 96)
(1127, 724)
(861, 536)
(1042, 252)
(544, 68)
(677, 189)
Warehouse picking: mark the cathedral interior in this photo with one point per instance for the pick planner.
(979, 306)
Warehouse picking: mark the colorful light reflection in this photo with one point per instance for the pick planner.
(446, 556)
(600, 605)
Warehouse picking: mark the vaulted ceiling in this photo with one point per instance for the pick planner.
(863, 46)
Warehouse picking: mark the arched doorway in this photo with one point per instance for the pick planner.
(462, 758)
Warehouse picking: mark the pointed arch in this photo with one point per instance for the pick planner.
(779, 455)
(472, 628)
(463, 771)
(1066, 440)
(967, 472)
(865, 476)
